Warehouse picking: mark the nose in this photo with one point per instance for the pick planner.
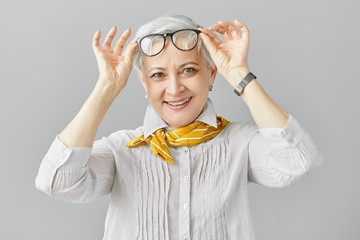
(175, 86)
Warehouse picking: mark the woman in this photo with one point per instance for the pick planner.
(184, 173)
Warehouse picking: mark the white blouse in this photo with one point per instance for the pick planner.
(203, 195)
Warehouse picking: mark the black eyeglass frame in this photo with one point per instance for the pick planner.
(165, 35)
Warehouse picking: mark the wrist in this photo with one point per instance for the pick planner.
(235, 76)
(243, 83)
(105, 94)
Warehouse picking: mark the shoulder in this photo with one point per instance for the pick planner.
(242, 130)
(121, 137)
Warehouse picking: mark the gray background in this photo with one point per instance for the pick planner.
(305, 54)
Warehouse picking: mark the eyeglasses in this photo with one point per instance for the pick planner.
(184, 40)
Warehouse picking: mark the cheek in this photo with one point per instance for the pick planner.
(201, 84)
(154, 90)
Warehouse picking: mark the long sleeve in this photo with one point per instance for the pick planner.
(82, 174)
(203, 195)
(279, 156)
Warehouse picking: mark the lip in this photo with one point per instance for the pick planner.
(179, 107)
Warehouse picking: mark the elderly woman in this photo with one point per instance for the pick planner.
(184, 173)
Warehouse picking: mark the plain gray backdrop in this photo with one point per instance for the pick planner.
(305, 54)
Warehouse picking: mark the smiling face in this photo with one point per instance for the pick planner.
(177, 84)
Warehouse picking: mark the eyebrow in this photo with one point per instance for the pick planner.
(188, 63)
(156, 68)
(182, 65)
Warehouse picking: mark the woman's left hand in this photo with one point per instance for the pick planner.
(230, 54)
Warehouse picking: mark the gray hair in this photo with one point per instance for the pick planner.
(168, 24)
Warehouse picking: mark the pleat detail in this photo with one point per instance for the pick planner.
(209, 203)
(152, 189)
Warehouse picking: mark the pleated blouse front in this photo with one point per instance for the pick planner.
(203, 195)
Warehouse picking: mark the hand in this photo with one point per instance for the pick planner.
(114, 67)
(230, 54)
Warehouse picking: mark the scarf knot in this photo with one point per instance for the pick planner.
(190, 135)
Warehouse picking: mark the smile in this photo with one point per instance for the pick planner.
(179, 103)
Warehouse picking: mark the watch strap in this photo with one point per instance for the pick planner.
(242, 84)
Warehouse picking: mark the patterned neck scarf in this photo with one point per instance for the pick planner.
(190, 135)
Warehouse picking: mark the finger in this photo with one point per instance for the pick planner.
(119, 45)
(245, 31)
(212, 35)
(129, 50)
(225, 33)
(231, 27)
(95, 42)
(109, 37)
(209, 44)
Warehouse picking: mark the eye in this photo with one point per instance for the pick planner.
(158, 75)
(188, 70)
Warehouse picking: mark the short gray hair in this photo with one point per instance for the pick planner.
(168, 24)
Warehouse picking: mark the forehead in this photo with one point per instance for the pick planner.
(170, 56)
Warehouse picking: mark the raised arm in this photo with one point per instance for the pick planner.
(74, 169)
(230, 57)
(114, 70)
(280, 151)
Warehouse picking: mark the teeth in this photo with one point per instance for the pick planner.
(178, 103)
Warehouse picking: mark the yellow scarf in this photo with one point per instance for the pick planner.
(190, 135)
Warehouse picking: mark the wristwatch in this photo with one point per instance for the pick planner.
(240, 87)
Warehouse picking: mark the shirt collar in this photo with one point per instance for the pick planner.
(153, 121)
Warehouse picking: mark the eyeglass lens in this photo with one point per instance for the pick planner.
(184, 40)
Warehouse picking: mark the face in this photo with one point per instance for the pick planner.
(177, 84)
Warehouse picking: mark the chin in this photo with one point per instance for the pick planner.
(180, 119)
(179, 124)
(181, 116)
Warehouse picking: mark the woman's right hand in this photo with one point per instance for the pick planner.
(114, 70)
(114, 65)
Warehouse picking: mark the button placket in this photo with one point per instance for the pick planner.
(184, 196)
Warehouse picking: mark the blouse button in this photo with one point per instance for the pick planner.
(185, 205)
(186, 177)
(186, 151)
(285, 132)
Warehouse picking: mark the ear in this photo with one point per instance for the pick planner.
(142, 79)
(213, 71)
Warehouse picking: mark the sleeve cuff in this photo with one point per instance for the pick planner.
(62, 156)
(290, 135)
